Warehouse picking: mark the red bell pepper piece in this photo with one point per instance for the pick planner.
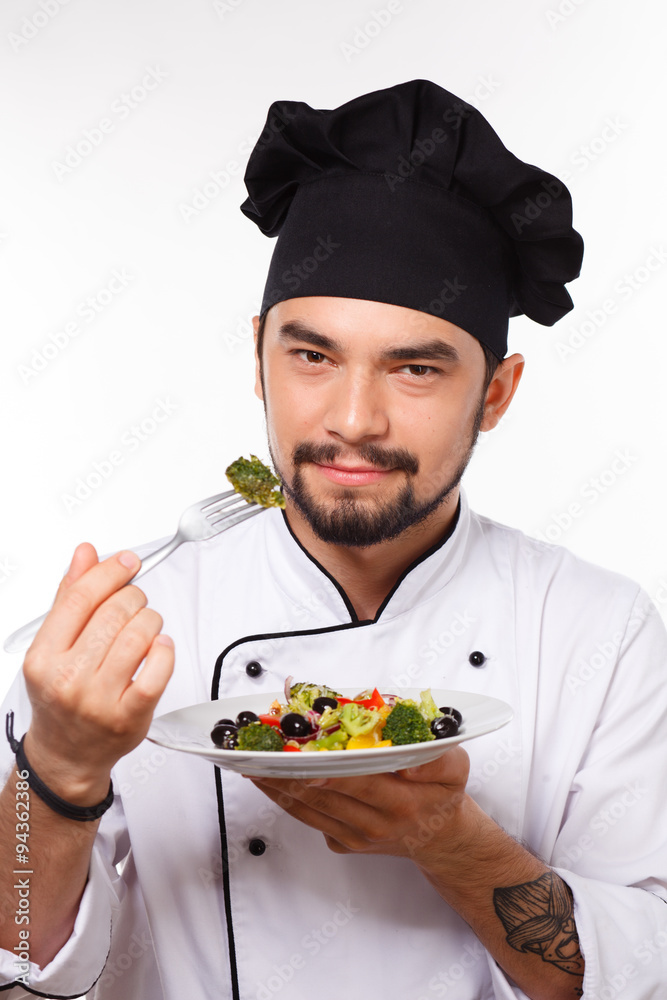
(375, 701)
(270, 719)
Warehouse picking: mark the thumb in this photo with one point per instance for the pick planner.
(450, 768)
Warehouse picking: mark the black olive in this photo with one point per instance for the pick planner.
(321, 703)
(294, 724)
(222, 731)
(230, 742)
(444, 727)
(245, 718)
(452, 711)
(226, 722)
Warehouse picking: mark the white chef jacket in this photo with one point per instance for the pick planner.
(178, 906)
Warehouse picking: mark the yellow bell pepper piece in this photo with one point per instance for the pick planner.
(361, 742)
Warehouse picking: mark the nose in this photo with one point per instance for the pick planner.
(356, 410)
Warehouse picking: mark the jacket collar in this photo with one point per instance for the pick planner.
(307, 583)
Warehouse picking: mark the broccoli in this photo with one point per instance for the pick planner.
(302, 696)
(334, 741)
(255, 482)
(406, 724)
(358, 721)
(260, 736)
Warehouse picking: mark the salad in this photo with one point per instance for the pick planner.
(255, 482)
(314, 717)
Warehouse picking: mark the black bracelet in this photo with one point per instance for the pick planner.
(53, 801)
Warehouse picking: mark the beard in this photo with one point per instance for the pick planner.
(355, 521)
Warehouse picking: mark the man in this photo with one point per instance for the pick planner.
(530, 863)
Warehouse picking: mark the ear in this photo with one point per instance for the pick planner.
(501, 389)
(258, 377)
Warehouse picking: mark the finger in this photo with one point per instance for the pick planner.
(84, 558)
(126, 652)
(143, 694)
(451, 768)
(74, 604)
(330, 826)
(107, 624)
(330, 803)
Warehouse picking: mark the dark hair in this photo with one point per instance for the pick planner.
(490, 359)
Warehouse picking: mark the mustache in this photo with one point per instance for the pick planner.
(371, 454)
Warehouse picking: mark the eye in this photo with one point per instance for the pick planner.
(418, 371)
(311, 357)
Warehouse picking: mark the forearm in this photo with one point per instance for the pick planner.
(519, 909)
(44, 862)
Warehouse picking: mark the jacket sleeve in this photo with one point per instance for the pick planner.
(611, 848)
(81, 960)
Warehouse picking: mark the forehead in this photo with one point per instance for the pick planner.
(368, 327)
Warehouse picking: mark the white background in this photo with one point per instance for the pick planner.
(549, 78)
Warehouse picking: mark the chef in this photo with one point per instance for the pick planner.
(533, 862)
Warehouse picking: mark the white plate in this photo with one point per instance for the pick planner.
(189, 730)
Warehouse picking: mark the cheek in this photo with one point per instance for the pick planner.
(291, 413)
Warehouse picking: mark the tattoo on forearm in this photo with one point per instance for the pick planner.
(538, 917)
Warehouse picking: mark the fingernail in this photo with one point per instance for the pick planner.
(128, 559)
(166, 640)
(316, 782)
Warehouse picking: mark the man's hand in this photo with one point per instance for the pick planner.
(501, 890)
(402, 813)
(88, 711)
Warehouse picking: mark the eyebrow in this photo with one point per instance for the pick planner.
(429, 350)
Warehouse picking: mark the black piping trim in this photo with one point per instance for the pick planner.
(226, 887)
(425, 555)
(55, 996)
(215, 685)
(355, 622)
(348, 603)
(48, 996)
(346, 600)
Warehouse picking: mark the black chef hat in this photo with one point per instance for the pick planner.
(408, 196)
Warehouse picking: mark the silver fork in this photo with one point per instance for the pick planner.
(199, 522)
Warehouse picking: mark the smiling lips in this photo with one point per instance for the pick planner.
(355, 476)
